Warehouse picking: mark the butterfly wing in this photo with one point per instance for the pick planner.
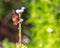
(15, 17)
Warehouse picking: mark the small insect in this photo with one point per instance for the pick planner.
(15, 17)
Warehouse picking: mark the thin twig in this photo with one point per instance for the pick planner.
(18, 45)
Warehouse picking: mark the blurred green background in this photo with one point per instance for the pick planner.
(41, 22)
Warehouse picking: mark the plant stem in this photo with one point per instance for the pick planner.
(18, 45)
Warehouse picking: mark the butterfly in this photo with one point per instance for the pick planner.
(15, 17)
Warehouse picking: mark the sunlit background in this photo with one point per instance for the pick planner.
(41, 26)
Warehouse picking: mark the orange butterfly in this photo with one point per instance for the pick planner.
(15, 17)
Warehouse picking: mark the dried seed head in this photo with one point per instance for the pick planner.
(21, 20)
(20, 10)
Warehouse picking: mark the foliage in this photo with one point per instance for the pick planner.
(7, 44)
(43, 14)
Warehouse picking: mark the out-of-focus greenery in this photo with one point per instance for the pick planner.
(7, 44)
(41, 15)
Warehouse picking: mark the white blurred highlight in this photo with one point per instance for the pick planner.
(49, 29)
(21, 20)
(40, 44)
(20, 10)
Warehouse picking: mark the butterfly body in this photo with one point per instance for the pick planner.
(15, 18)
